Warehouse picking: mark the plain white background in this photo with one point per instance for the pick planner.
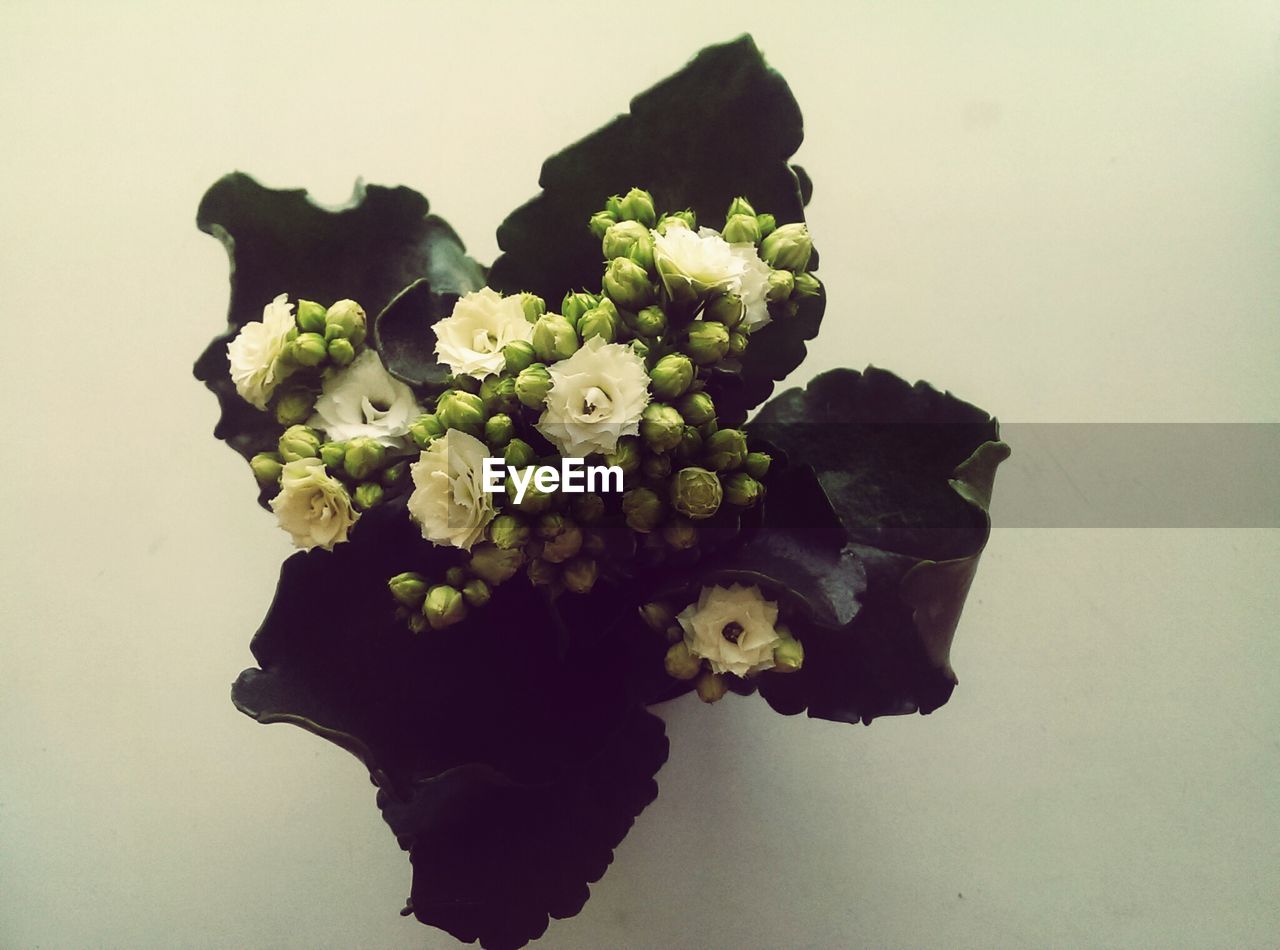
(1062, 212)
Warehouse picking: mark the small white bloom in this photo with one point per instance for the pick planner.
(365, 400)
(255, 352)
(733, 628)
(313, 506)
(694, 265)
(752, 286)
(470, 341)
(596, 397)
(449, 502)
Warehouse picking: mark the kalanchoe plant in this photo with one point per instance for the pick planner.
(489, 654)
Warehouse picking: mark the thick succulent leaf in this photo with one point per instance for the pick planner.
(483, 724)
(908, 472)
(725, 125)
(280, 241)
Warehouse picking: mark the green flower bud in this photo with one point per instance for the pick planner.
(554, 338)
(742, 229)
(781, 283)
(498, 429)
(737, 344)
(542, 573)
(426, 429)
(600, 223)
(725, 308)
(341, 352)
(696, 493)
(564, 545)
(787, 248)
(508, 531)
(466, 384)
(678, 219)
(533, 384)
(725, 450)
(310, 317)
(613, 205)
(690, 446)
(498, 393)
(535, 501)
(631, 240)
(294, 404)
(807, 285)
(656, 467)
(363, 457)
(367, 495)
(637, 205)
(756, 464)
(640, 348)
(739, 205)
(518, 355)
(409, 589)
(642, 509)
(455, 577)
(345, 319)
(392, 475)
(593, 543)
(661, 427)
(299, 442)
(651, 322)
(711, 687)
(518, 454)
(671, 375)
(627, 284)
(576, 303)
(476, 592)
(580, 574)
(788, 654)
(697, 408)
(266, 468)
(462, 411)
(598, 322)
(767, 224)
(742, 490)
(707, 342)
(680, 663)
(588, 508)
(680, 533)
(444, 607)
(332, 454)
(533, 305)
(656, 615)
(625, 455)
(308, 349)
(495, 565)
(550, 525)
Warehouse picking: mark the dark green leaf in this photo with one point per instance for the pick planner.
(725, 125)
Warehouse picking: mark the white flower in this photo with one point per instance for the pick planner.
(596, 397)
(733, 628)
(694, 265)
(364, 399)
(752, 286)
(470, 341)
(313, 506)
(255, 352)
(449, 502)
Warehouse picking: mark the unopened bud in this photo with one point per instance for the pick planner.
(392, 475)
(656, 615)
(788, 247)
(637, 205)
(588, 508)
(630, 240)
(332, 454)
(425, 429)
(363, 457)
(508, 531)
(780, 285)
(533, 384)
(294, 404)
(737, 344)
(788, 655)
(806, 285)
(518, 355)
(725, 450)
(598, 322)
(678, 219)
(498, 430)
(576, 303)
(661, 427)
(444, 607)
(768, 223)
(696, 493)
(462, 411)
(600, 223)
(367, 495)
(310, 317)
(542, 573)
(266, 467)
(671, 375)
(642, 509)
(308, 349)
(651, 322)
(345, 319)
(690, 446)
(476, 592)
(742, 490)
(680, 533)
(740, 205)
(707, 342)
(533, 306)
(341, 352)
(498, 393)
(627, 284)
(518, 454)
(742, 229)
(756, 464)
(408, 589)
(455, 576)
(554, 338)
(727, 309)
(579, 574)
(493, 564)
(656, 467)
(697, 408)
(680, 663)
(711, 687)
(625, 455)
(299, 442)
(564, 545)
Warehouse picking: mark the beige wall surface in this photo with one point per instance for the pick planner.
(1062, 212)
